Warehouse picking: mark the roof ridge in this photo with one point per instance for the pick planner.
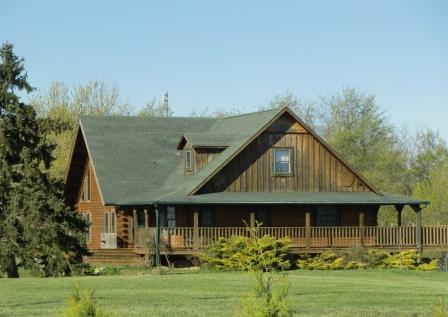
(254, 112)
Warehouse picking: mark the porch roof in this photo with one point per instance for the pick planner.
(293, 198)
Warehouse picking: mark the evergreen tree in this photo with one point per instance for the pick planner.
(36, 229)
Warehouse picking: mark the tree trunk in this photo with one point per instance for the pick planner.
(12, 270)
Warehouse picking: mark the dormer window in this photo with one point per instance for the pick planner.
(189, 160)
(85, 190)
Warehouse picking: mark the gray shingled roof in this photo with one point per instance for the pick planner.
(136, 160)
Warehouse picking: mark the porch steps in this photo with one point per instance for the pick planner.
(114, 256)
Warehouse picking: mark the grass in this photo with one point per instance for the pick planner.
(315, 293)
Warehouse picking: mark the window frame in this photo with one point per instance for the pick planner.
(87, 215)
(291, 161)
(170, 216)
(110, 222)
(189, 160)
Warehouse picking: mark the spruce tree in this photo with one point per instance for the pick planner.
(36, 229)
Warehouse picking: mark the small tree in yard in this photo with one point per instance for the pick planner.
(36, 229)
(266, 299)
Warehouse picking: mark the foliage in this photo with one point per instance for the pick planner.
(82, 303)
(265, 300)
(37, 230)
(62, 106)
(152, 108)
(82, 269)
(443, 261)
(358, 259)
(439, 309)
(252, 253)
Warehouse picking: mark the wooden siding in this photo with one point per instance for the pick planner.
(95, 207)
(314, 167)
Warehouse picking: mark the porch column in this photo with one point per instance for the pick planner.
(134, 225)
(399, 209)
(308, 229)
(157, 251)
(361, 228)
(252, 219)
(419, 233)
(146, 218)
(196, 229)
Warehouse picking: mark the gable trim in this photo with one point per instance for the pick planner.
(80, 129)
(266, 126)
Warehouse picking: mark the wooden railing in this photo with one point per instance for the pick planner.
(301, 237)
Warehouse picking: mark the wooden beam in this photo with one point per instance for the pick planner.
(419, 229)
(252, 219)
(361, 228)
(399, 209)
(134, 224)
(308, 229)
(196, 229)
(146, 218)
(157, 251)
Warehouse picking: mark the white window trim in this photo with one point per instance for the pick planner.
(289, 172)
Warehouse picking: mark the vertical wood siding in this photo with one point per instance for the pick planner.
(315, 169)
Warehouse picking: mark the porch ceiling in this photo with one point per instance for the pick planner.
(296, 198)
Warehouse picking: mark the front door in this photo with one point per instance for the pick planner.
(109, 234)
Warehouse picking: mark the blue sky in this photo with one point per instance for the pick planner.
(240, 54)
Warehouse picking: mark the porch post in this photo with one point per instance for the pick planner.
(134, 225)
(157, 251)
(252, 219)
(308, 229)
(196, 229)
(419, 233)
(399, 209)
(361, 228)
(146, 218)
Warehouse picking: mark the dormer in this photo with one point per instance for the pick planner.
(199, 149)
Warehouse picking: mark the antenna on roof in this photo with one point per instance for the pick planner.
(165, 104)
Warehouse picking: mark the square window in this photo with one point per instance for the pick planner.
(282, 161)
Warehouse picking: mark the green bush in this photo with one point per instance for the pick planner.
(439, 309)
(82, 303)
(267, 301)
(82, 269)
(360, 259)
(251, 253)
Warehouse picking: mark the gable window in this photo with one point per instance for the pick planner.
(189, 160)
(327, 216)
(85, 190)
(88, 218)
(282, 161)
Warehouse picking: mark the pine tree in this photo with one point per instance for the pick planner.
(36, 229)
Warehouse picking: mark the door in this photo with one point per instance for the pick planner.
(109, 234)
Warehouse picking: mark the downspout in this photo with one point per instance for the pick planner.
(157, 238)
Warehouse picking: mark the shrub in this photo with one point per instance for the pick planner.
(267, 301)
(82, 303)
(439, 309)
(402, 260)
(431, 266)
(251, 253)
(82, 269)
(443, 261)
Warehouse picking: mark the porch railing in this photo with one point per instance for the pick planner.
(301, 237)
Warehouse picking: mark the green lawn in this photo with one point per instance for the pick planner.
(315, 293)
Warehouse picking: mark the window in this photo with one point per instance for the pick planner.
(85, 190)
(88, 217)
(282, 161)
(263, 217)
(326, 216)
(207, 217)
(171, 217)
(109, 222)
(189, 160)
